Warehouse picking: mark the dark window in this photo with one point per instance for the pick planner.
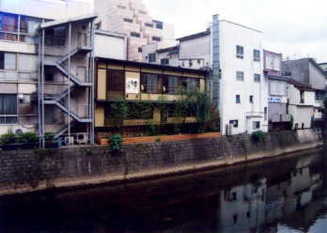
(248, 214)
(239, 51)
(251, 99)
(164, 61)
(8, 22)
(156, 38)
(152, 57)
(199, 61)
(2, 61)
(149, 25)
(55, 36)
(140, 50)
(151, 83)
(116, 84)
(266, 113)
(170, 84)
(159, 24)
(238, 99)
(235, 217)
(234, 123)
(257, 77)
(128, 20)
(256, 55)
(8, 109)
(240, 76)
(190, 63)
(256, 125)
(135, 34)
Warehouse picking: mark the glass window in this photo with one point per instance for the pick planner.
(152, 57)
(257, 77)
(164, 61)
(256, 55)
(238, 99)
(8, 22)
(8, 109)
(116, 81)
(156, 38)
(8, 61)
(56, 36)
(256, 125)
(240, 76)
(239, 51)
(151, 83)
(251, 99)
(135, 34)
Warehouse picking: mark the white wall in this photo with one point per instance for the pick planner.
(246, 113)
(108, 46)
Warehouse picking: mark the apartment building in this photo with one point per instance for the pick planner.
(131, 18)
(45, 67)
(150, 91)
(238, 87)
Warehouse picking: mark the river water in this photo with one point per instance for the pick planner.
(284, 195)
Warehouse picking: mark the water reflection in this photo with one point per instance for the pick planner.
(280, 196)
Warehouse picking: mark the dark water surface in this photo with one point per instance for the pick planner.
(285, 195)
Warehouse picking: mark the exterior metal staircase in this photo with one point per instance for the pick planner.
(76, 82)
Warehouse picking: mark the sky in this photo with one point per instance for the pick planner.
(296, 28)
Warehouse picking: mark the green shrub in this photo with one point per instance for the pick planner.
(116, 142)
(8, 138)
(258, 136)
(27, 138)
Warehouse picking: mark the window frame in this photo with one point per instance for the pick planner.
(6, 115)
(256, 52)
(4, 61)
(257, 78)
(240, 76)
(240, 51)
(238, 99)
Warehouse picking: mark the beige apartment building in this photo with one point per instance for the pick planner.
(132, 18)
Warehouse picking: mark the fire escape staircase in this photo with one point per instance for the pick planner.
(59, 100)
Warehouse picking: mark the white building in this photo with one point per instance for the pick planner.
(235, 53)
(301, 104)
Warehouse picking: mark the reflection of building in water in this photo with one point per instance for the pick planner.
(284, 198)
(242, 208)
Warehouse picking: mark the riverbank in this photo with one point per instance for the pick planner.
(30, 171)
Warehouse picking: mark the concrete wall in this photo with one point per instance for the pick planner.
(21, 170)
(317, 78)
(110, 46)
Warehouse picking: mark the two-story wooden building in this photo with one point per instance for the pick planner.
(149, 90)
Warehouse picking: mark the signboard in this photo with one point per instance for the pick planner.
(132, 83)
(273, 99)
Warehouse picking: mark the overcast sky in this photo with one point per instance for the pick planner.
(297, 28)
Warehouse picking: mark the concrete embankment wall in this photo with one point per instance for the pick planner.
(25, 171)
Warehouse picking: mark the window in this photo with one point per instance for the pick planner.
(256, 55)
(8, 22)
(121, 7)
(152, 57)
(192, 84)
(199, 61)
(239, 51)
(128, 20)
(55, 36)
(140, 50)
(142, 12)
(240, 76)
(190, 63)
(8, 109)
(150, 25)
(8, 61)
(238, 99)
(156, 38)
(266, 113)
(170, 84)
(151, 83)
(159, 25)
(164, 61)
(256, 124)
(136, 34)
(257, 77)
(234, 123)
(116, 84)
(251, 99)
(302, 97)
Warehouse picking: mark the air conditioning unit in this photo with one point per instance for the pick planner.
(69, 140)
(82, 138)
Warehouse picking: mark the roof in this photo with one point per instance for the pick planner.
(300, 85)
(57, 23)
(169, 49)
(243, 26)
(152, 66)
(311, 60)
(195, 36)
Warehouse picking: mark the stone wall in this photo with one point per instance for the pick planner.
(22, 171)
